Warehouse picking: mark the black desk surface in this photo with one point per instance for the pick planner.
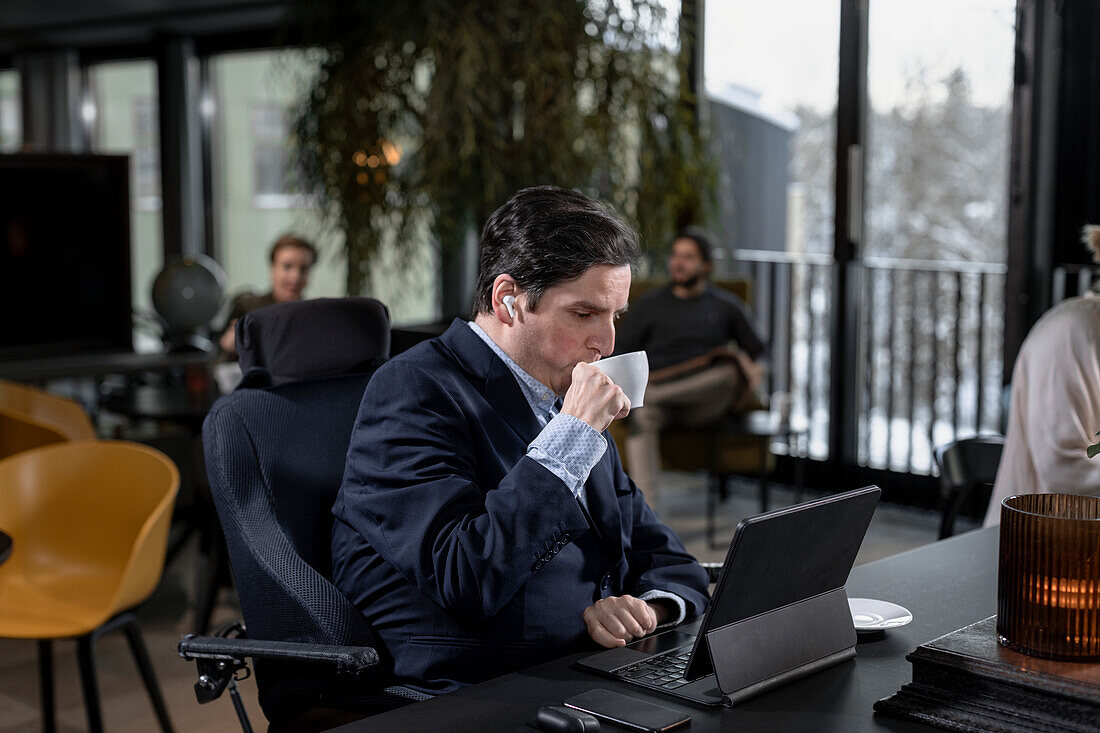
(34, 370)
(946, 585)
(158, 402)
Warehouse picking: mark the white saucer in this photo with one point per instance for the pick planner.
(870, 615)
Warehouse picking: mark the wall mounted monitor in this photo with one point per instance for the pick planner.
(64, 255)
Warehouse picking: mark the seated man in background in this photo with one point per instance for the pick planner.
(291, 258)
(485, 522)
(1055, 407)
(705, 356)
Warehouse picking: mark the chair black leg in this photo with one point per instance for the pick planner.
(951, 511)
(800, 473)
(211, 574)
(238, 705)
(85, 654)
(763, 474)
(712, 504)
(45, 684)
(717, 492)
(947, 525)
(132, 629)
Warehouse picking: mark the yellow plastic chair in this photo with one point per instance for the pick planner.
(89, 524)
(31, 417)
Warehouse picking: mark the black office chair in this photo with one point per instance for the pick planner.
(275, 451)
(966, 466)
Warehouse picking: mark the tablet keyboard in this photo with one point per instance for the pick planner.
(664, 670)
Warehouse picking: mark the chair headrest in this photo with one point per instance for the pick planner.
(308, 339)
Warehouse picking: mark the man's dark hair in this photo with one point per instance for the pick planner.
(546, 235)
(702, 239)
(290, 240)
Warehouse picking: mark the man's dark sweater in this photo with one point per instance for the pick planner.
(673, 330)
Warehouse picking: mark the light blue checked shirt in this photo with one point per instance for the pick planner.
(567, 446)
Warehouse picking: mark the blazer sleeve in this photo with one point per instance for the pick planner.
(412, 489)
(656, 558)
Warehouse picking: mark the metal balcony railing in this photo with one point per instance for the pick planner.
(930, 343)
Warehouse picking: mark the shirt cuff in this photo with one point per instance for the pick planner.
(569, 448)
(681, 607)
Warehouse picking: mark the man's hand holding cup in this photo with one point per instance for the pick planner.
(594, 398)
(605, 390)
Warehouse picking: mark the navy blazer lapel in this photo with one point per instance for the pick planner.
(603, 505)
(499, 385)
(502, 391)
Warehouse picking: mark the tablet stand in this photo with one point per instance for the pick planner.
(781, 645)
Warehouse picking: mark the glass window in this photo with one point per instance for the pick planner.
(938, 140)
(270, 131)
(146, 152)
(125, 121)
(252, 110)
(11, 112)
(938, 128)
(771, 81)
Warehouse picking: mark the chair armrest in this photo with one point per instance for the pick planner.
(346, 659)
(220, 658)
(714, 569)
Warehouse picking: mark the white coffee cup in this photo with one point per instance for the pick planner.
(630, 372)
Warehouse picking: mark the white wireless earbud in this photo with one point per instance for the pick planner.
(510, 304)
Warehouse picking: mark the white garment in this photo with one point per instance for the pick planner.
(1055, 410)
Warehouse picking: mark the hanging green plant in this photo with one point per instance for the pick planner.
(426, 115)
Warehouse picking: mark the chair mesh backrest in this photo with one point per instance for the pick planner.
(275, 460)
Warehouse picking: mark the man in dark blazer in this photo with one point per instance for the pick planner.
(485, 522)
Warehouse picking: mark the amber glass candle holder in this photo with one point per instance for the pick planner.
(1048, 589)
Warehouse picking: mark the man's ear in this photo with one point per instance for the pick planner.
(504, 304)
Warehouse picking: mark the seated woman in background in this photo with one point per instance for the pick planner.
(1055, 409)
(291, 257)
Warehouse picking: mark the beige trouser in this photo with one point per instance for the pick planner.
(690, 401)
